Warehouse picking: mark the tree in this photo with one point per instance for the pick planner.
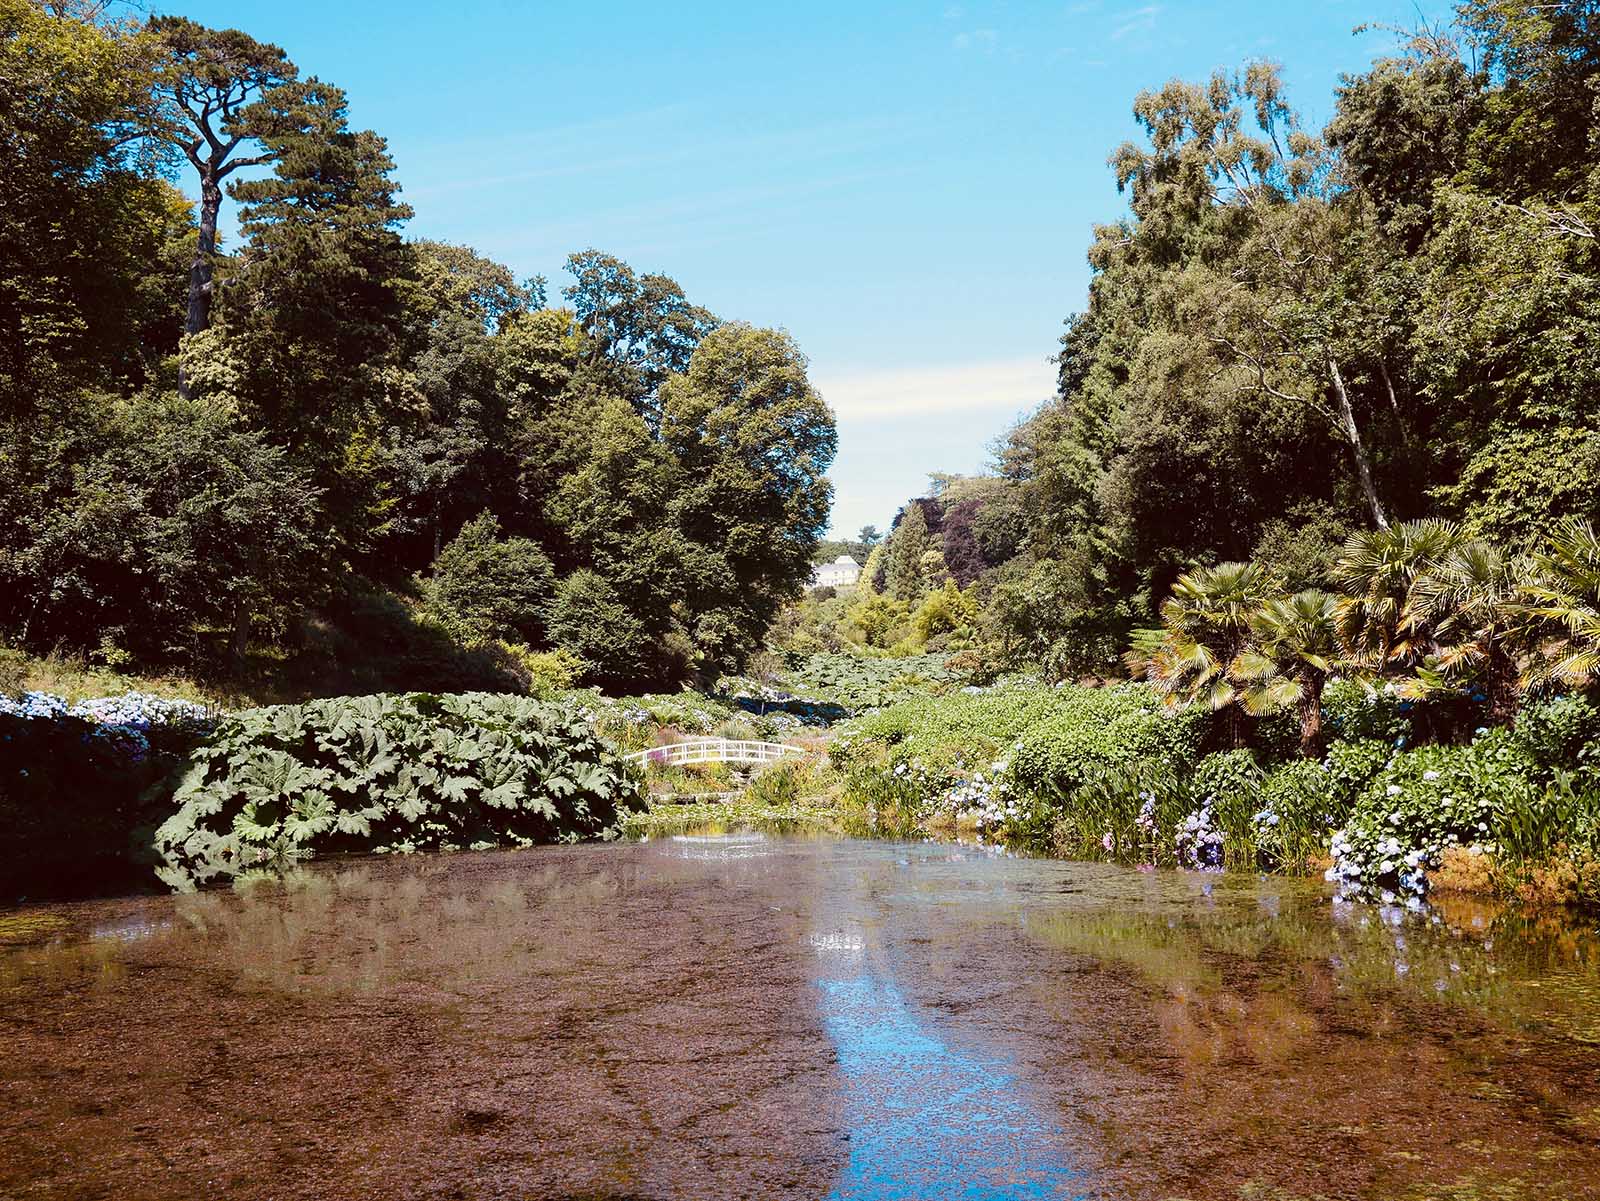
(1378, 569)
(451, 453)
(1564, 598)
(640, 329)
(218, 87)
(1295, 644)
(85, 223)
(312, 308)
(908, 542)
(1060, 613)
(174, 522)
(1502, 353)
(754, 441)
(1465, 604)
(945, 611)
(590, 619)
(1206, 624)
(1403, 127)
(1543, 61)
(614, 510)
(869, 536)
(1276, 321)
(484, 586)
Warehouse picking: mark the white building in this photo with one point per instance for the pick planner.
(843, 572)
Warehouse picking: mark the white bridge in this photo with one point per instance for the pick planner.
(714, 750)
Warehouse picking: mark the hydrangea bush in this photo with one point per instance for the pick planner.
(1422, 803)
(1096, 728)
(942, 757)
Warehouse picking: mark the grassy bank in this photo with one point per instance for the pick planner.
(1107, 773)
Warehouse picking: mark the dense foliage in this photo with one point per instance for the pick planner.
(823, 687)
(389, 773)
(212, 458)
(1111, 773)
(79, 782)
(1292, 337)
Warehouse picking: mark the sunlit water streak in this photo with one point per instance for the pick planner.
(926, 1122)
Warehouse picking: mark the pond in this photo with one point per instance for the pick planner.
(749, 1015)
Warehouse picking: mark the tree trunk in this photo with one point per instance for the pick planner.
(1234, 723)
(1352, 433)
(1505, 697)
(239, 641)
(1311, 737)
(198, 314)
(1394, 403)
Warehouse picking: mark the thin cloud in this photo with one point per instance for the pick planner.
(976, 39)
(1138, 20)
(1006, 386)
(819, 142)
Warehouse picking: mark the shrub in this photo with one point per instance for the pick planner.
(788, 783)
(1351, 766)
(1563, 733)
(944, 737)
(1354, 712)
(1096, 728)
(13, 671)
(827, 686)
(79, 782)
(1426, 801)
(947, 611)
(1125, 813)
(373, 640)
(1298, 810)
(1563, 816)
(1015, 759)
(637, 722)
(1231, 777)
(590, 620)
(548, 672)
(485, 587)
(1226, 789)
(389, 773)
(940, 755)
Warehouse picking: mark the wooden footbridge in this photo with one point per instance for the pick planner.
(714, 750)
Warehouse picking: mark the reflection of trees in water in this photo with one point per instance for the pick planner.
(1390, 1048)
(1532, 972)
(429, 925)
(25, 969)
(446, 925)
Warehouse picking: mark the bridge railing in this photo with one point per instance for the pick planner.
(713, 750)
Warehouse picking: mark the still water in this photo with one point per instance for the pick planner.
(740, 1015)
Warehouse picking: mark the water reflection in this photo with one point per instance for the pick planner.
(731, 1014)
(741, 844)
(926, 1122)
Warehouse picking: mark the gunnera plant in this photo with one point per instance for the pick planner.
(390, 773)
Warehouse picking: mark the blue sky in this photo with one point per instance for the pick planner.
(908, 188)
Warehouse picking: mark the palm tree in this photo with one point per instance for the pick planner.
(1205, 625)
(1296, 646)
(1378, 569)
(1467, 602)
(1564, 599)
